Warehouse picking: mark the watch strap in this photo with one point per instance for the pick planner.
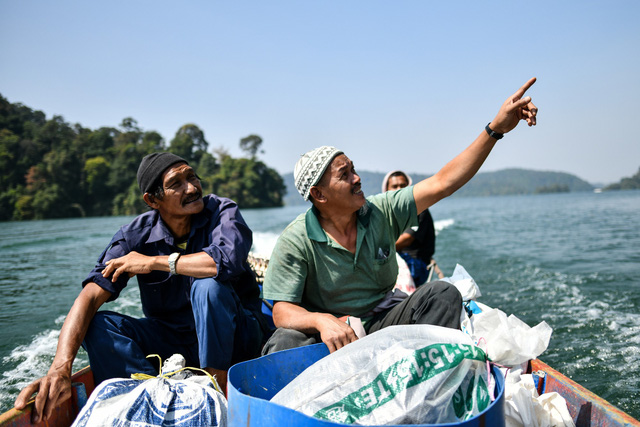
(493, 134)
(173, 259)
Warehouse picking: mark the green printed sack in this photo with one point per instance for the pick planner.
(409, 374)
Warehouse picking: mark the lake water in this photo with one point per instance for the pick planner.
(572, 260)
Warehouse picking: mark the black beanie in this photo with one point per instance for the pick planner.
(153, 166)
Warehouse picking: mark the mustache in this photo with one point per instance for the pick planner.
(196, 196)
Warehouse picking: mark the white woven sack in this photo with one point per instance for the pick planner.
(418, 374)
(155, 402)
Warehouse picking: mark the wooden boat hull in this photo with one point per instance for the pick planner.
(585, 407)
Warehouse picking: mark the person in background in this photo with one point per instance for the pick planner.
(198, 294)
(416, 245)
(338, 259)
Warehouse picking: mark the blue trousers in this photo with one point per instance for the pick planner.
(417, 267)
(225, 333)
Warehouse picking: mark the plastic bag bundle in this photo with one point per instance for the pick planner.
(416, 374)
(525, 408)
(508, 340)
(191, 400)
(465, 284)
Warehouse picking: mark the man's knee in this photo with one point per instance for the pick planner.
(103, 321)
(102, 339)
(441, 290)
(284, 339)
(211, 291)
(439, 304)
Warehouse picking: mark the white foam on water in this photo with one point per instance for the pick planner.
(441, 224)
(263, 243)
(33, 359)
(593, 313)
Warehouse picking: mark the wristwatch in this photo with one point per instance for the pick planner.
(173, 259)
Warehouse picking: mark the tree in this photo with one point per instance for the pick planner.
(19, 119)
(250, 183)
(99, 195)
(206, 168)
(9, 155)
(251, 145)
(8, 203)
(126, 156)
(59, 187)
(189, 143)
(129, 201)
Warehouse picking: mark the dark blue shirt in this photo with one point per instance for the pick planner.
(219, 230)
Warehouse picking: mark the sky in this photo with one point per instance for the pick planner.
(396, 84)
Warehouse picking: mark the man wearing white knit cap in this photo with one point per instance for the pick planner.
(338, 259)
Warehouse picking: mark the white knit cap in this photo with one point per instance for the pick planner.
(311, 166)
(385, 180)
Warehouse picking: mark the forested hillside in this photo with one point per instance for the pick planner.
(632, 183)
(53, 169)
(522, 181)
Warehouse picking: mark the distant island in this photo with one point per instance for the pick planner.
(498, 183)
(55, 169)
(632, 183)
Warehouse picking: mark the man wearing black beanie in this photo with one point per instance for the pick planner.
(198, 293)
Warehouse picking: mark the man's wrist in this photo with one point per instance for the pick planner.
(173, 261)
(62, 368)
(492, 133)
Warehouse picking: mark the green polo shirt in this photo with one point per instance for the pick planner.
(310, 268)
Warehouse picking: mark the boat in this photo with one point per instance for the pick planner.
(585, 407)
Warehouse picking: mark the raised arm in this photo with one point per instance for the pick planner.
(334, 332)
(463, 167)
(55, 387)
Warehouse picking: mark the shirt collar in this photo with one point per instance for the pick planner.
(160, 231)
(315, 230)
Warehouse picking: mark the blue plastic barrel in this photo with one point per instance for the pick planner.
(252, 384)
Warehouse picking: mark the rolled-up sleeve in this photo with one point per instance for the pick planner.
(231, 241)
(117, 248)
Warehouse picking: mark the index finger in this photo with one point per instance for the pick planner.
(524, 88)
(25, 395)
(106, 272)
